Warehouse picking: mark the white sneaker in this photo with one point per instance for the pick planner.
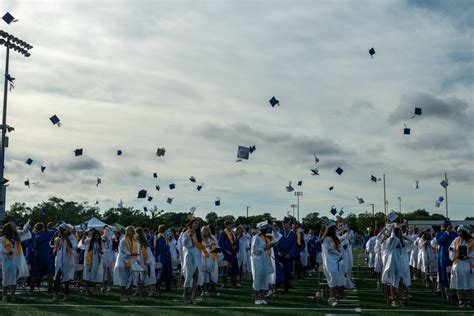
(332, 302)
(270, 293)
(258, 302)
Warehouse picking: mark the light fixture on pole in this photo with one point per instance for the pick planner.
(298, 194)
(293, 206)
(11, 43)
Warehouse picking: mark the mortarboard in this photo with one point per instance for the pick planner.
(43, 168)
(333, 210)
(339, 170)
(145, 209)
(316, 159)
(330, 224)
(273, 101)
(99, 181)
(5, 181)
(78, 152)
(286, 220)
(192, 179)
(392, 217)
(464, 228)
(150, 199)
(416, 184)
(160, 152)
(27, 183)
(372, 52)
(263, 225)
(172, 186)
(157, 188)
(252, 148)
(444, 183)
(199, 187)
(314, 172)
(119, 152)
(361, 200)
(29, 161)
(8, 18)
(141, 194)
(417, 112)
(55, 120)
(300, 183)
(373, 178)
(406, 130)
(169, 200)
(331, 188)
(341, 212)
(243, 152)
(217, 202)
(289, 188)
(155, 175)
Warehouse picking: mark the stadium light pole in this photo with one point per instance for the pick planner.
(373, 212)
(11, 43)
(248, 211)
(293, 206)
(298, 194)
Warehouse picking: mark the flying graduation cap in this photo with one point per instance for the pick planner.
(172, 186)
(157, 188)
(341, 212)
(374, 178)
(119, 152)
(8, 18)
(316, 159)
(55, 120)
(27, 183)
(372, 52)
(150, 198)
(243, 152)
(274, 101)
(252, 149)
(333, 210)
(439, 201)
(444, 183)
(78, 152)
(217, 202)
(314, 172)
(416, 184)
(169, 200)
(406, 130)
(360, 200)
(199, 187)
(417, 112)
(142, 194)
(289, 188)
(192, 179)
(331, 188)
(155, 175)
(160, 152)
(99, 181)
(339, 170)
(29, 161)
(300, 183)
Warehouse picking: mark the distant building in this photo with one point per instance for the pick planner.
(421, 224)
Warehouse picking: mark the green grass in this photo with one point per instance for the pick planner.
(239, 302)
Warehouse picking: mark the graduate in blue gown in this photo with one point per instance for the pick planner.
(444, 238)
(41, 257)
(279, 276)
(300, 245)
(287, 252)
(230, 244)
(163, 255)
(314, 249)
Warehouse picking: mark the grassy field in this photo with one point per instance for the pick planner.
(366, 300)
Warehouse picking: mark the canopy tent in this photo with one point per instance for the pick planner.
(94, 223)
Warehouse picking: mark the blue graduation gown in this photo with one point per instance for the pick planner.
(289, 247)
(42, 260)
(163, 255)
(231, 258)
(280, 277)
(444, 240)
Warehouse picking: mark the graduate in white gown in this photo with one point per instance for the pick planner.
(209, 269)
(109, 257)
(147, 261)
(462, 271)
(93, 271)
(427, 253)
(347, 239)
(128, 257)
(275, 236)
(332, 263)
(370, 250)
(260, 258)
(14, 263)
(243, 256)
(64, 248)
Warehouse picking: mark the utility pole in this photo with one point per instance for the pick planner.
(298, 194)
(384, 196)
(446, 194)
(293, 206)
(373, 213)
(248, 211)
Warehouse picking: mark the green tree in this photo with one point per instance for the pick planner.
(211, 218)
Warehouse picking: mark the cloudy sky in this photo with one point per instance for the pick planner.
(195, 77)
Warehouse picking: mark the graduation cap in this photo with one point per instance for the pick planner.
(289, 188)
(339, 170)
(217, 202)
(392, 216)
(314, 172)
(155, 175)
(5, 181)
(417, 112)
(444, 183)
(416, 184)
(374, 178)
(8, 18)
(27, 183)
(273, 101)
(157, 188)
(372, 52)
(169, 200)
(341, 212)
(361, 200)
(192, 179)
(78, 152)
(150, 199)
(300, 183)
(252, 149)
(145, 209)
(160, 152)
(99, 181)
(333, 210)
(172, 186)
(142, 194)
(192, 210)
(331, 188)
(316, 159)
(119, 152)
(55, 120)
(43, 168)
(29, 161)
(199, 187)
(406, 130)
(243, 152)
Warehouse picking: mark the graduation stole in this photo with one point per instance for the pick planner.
(230, 235)
(132, 251)
(456, 246)
(145, 255)
(213, 247)
(166, 239)
(8, 247)
(89, 254)
(267, 240)
(154, 240)
(198, 244)
(298, 238)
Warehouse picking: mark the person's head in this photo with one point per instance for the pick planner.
(397, 231)
(50, 225)
(296, 225)
(205, 232)
(161, 229)
(141, 236)
(447, 226)
(195, 226)
(130, 231)
(427, 234)
(228, 225)
(95, 235)
(287, 224)
(117, 233)
(276, 226)
(9, 231)
(463, 232)
(39, 227)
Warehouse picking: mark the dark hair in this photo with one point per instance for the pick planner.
(141, 237)
(465, 235)
(93, 240)
(331, 232)
(227, 223)
(9, 231)
(39, 226)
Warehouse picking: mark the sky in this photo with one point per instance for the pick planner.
(195, 78)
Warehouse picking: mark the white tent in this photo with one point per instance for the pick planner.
(95, 223)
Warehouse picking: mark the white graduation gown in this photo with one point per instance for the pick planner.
(95, 271)
(462, 275)
(370, 249)
(427, 253)
(65, 260)
(276, 236)
(261, 264)
(149, 276)
(243, 254)
(209, 269)
(109, 255)
(125, 276)
(192, 259)
(332, 263)
(392, 273)
(15, 267)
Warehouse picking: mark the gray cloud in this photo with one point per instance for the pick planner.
(77, 164)
(440, 142)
